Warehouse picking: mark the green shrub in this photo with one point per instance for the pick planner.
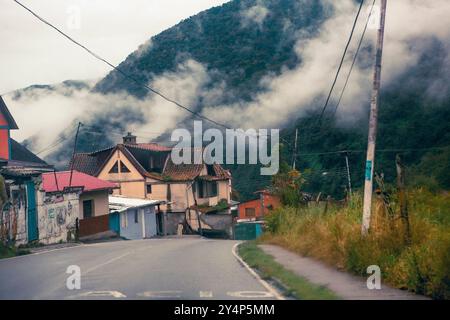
(335, 238)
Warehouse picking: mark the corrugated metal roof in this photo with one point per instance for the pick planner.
(120, 204)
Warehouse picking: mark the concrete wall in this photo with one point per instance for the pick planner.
(101, 202)
(14, 217)
(219, 221)
(57, 217)
(171, 222)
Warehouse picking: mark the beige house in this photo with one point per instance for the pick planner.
(146, 171)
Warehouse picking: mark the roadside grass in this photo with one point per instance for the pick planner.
(334, 237)
(295, 286)
(8, 252)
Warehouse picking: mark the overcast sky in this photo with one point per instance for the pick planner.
(32, 53)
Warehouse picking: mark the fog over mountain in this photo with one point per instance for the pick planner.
(248, 63)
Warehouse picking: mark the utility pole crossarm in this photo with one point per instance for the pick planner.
(373, 124)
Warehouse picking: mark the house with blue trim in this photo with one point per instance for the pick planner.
(20, 172)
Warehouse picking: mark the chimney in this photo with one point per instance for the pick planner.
(129, 139)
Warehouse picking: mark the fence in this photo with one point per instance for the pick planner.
(94, 225)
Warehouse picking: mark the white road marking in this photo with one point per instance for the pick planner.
(271, 289)
(206, 294)
(106, 262)
(250, 294)
(160, 294)
(98, 294)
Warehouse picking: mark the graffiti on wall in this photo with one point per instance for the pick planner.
(57, 216)
(12, 218)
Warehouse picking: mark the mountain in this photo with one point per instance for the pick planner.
(239, 42)
(240, 46)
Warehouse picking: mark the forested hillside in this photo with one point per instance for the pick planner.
(244, 41)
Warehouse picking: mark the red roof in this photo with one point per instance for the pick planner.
(79, 179)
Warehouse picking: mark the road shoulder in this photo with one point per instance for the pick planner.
(341, 283)
(292, 285)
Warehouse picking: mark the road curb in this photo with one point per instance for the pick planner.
(264, 283)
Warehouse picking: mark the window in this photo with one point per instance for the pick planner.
(136, 216)
(115, 168)
(123, 217)
(88, 209)
(207, 189)
(250, 212)
(149, 189)
(200, 189)
(123, 168)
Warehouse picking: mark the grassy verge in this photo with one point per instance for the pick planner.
(334, 237)
(296, 286)
(8, 252)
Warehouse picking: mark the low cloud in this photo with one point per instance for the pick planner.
(254, 15)
(45, 113)
(296, 91)
(285, 97)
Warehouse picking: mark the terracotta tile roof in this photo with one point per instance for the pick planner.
(79, 179)
(149, 146)
(91, 163)
(181, 172)
(185, 172)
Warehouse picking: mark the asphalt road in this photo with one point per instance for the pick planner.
(186, 268)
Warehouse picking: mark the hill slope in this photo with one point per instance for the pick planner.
(239, 43)
(240, 46)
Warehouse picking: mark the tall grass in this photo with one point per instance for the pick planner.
(334, 237)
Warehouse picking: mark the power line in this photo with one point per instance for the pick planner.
(342, 60)
(119, 70)
(56, 142)
(379, 150)
(354, 59)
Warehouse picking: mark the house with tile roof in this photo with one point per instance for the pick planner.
(146, 171)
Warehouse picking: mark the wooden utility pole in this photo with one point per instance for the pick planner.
(349, 179)
(73, 153)
(294, 158)
(403, 200)
(373, 124)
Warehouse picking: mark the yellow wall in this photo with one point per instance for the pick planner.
(132, 184)
(101, 202)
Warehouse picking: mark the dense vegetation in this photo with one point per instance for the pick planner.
(234, 51)
(414, 111)
(413, 122)
(334, 237)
